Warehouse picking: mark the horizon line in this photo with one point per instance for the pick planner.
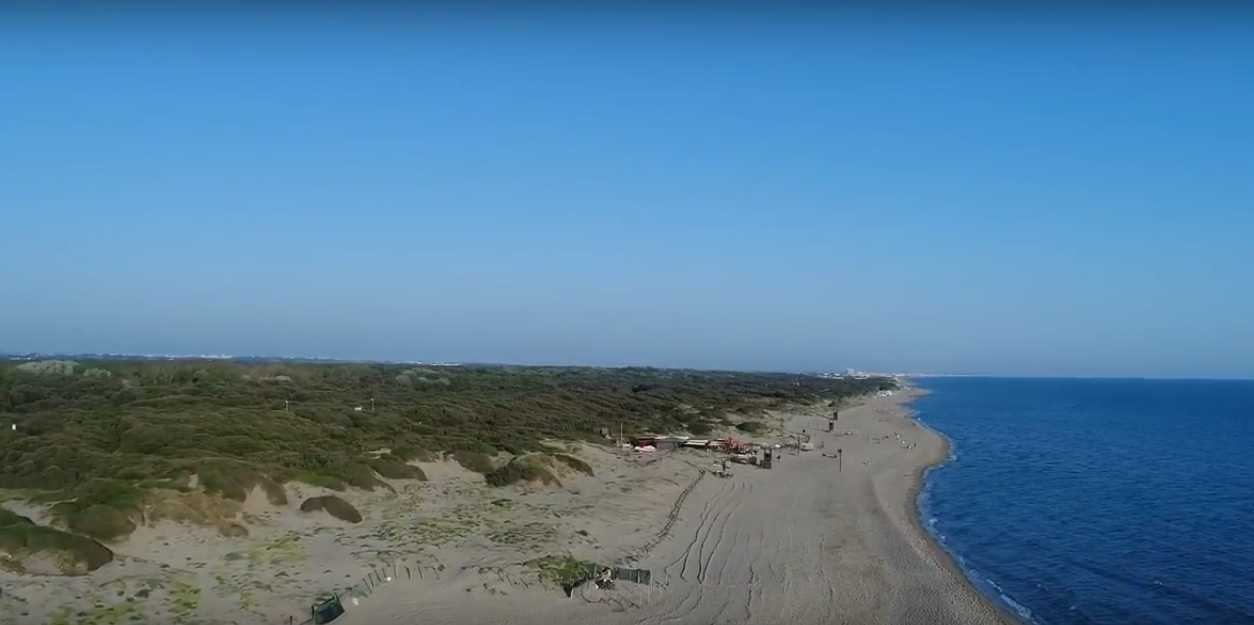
(31, 355)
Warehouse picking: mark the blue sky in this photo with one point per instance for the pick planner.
(1034, 193)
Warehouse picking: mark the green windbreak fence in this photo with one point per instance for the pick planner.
(327, 610)
(639, 576)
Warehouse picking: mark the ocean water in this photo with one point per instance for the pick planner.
(1098, 501)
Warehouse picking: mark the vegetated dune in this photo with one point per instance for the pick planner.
(185, 469)
(531, 468)
(333, 506)
(34, 549)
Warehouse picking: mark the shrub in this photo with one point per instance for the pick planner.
(8, 517)
(333, 506)
(752, 427)
(73, 555)
(233, 530)
(234, 480)
(574, 463)
(100, 521)
(101, 508)
(700, 429)
(563, 571)
(474, 461)
(359, 475)
(522, 468)
(407, 453)
(393, 468)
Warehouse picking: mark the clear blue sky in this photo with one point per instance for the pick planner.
(1031, 193)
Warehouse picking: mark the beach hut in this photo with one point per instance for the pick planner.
(666, 443)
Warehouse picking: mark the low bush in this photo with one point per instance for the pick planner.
(393, 468)
(751, 427)
(563, 571)
(408, 453)
(101, 508)
(574, 463)
(234, 480)
(73, 555)
(525, 469)
(333, 506)
(359, 475)
(20, 537)
(8, 517)
(100, 521)
(474, 461)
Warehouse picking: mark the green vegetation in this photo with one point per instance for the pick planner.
(563, 571)
(394, 468)
(333, 506)
(407, 453)
(751, 427)
(529, 468)
(101, 508)
(574, 463)
(21, 539)
(141, 424)
(234, 480)
(474, 461)
(700, 429)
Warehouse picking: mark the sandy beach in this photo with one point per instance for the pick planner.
(812, 540)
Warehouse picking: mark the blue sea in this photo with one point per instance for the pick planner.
(1098, 501)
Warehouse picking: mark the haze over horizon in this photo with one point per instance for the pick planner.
(1031, 193)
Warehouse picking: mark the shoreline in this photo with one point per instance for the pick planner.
(948, 558)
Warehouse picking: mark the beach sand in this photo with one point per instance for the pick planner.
(810, 541)
(803, 543)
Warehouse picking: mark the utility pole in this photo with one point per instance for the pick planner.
(840, 460)
(286, 404)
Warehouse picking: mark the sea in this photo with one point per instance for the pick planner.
(1103, 501)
